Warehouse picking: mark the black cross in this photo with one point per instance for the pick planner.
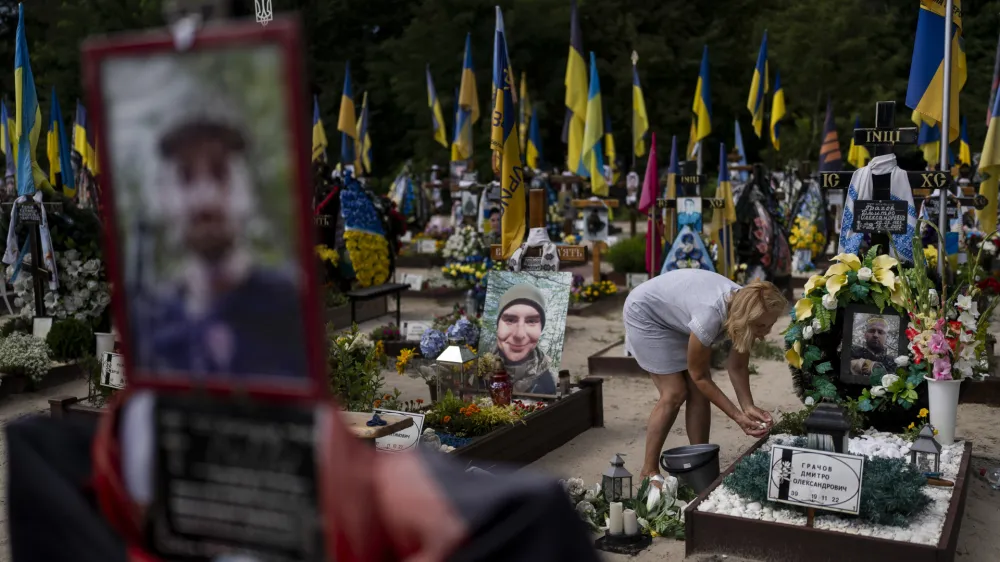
(30, 214)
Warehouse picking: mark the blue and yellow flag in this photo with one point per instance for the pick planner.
(858, 155)
(534, 150)
(437, 116)
(925, 89)
(364, 147)
(467, 112)
(758, 87)
(512, 199)
(989, 169)
(576, 94)
(701, 109)
(640, 119)
(829, 151)
(609, 149)
(744, 175)
(28, 126)
(60, 165)
(928, 139)
(5, 145)
(497, 77)
(524, 113)
(964, 150)
(673, 169)
(347, 123)
(777, 110)
(80, 136)
(319, 143)
(591, 160)
(723, 218)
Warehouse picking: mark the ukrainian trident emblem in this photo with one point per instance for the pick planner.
(263, 11)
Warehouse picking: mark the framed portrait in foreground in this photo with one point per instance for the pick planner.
(871, 342)
(207, 208)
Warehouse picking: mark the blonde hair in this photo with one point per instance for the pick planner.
(746, 306)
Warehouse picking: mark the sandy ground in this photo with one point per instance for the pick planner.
(627, 402)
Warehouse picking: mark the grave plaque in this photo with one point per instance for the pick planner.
(403, 439)
(880, 216)
(816, 479)
(113, 371)
(933, 204)
(29, 212)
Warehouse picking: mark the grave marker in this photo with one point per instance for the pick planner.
(30, 214)
(536, 210)
(597, 245)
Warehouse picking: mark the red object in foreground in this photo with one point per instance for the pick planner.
(501, 388)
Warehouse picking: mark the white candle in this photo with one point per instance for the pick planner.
(631, 523)
(615, 521)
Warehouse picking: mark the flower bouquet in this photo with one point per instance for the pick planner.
(466, 242)
(466, 275)
(660, 513)
(595, 291)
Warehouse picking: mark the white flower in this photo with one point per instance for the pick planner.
(889, 379)
(967, 319)
(652, 498)
(642, 522)
(963, 367)
(575, 488)
(902, 361)
(807, 332)
(592, 493)
(932, 297)
(864, 274)
(810, 401)
(989, 247)
(877, 392)
(968, 353)
(817, 326)
(963, 302)
(967, 337)
(829, 302)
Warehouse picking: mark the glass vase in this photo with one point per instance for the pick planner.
(500, 388)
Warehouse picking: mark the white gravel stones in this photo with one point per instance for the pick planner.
(924, 528)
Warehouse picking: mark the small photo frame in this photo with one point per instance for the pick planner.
(595, 224)
(207, 196)
(871, 342)
(689, 213)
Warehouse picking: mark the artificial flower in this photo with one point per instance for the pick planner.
(989, 247)
(817, 326)
(902, 361)
(877, 391)
(836, 277)
(882, 271)
(889, 379)
(942, 369)
(807, 333)
(864, 274)
(932, 297)
(923, 413)
(794, 355)
(850, 260)
(830, 302)
(814, 282)
(967, 319)
(964, 302)
(938, 344)
(803, 309)
(810, 401)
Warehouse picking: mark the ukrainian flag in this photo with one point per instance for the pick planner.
(347, 123)
(989, 168)
(640, 119)
(468, 108)
(576, 94)
(777, 110)
(924, 92)
(758, 87)
(319, 134)
(29, 116)
(497, 70)
(591, 162)
(964, 150)
(60, 166)
(437, 116)
(928, 140)
(80, 136)
(364, 139)
(670, 215)
(524, 114)
(534, 150)
(5, 145)
(858, 155)
(701, 125)
(829, 151)
(512, 199)
(609, 148)
(744, 175)
(722, 220)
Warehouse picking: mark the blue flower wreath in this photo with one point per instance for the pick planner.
(358, 210)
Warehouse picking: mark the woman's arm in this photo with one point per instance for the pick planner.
(739, 373)
(699, 361)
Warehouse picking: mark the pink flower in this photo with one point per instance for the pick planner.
(939, 324)
(942, 370)
(938, 344)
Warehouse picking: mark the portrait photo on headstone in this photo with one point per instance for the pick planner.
(595, 224)
(524, 323)
(872, 340)
(206, 203)
(689, 213)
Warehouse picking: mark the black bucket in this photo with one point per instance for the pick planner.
(694, 465)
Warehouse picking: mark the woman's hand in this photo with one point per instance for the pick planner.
(759, 415)
(754, 421)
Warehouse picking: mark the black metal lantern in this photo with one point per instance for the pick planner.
(925, 453)
(828, 428)
(617, 482)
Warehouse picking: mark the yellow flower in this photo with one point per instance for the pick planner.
(923, 413)
(850, 260)
(836, 277)
(935, 432)
(653, 533)
(793, 355)
(380, 347)
(882, 271)
(403, 359)
(803, 309)
(911, 426)
(813, 282)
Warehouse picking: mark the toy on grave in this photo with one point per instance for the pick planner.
(369, 257)
(688, 252)
(808, 233)
(761, 242)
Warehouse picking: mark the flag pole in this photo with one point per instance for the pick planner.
(945, 137)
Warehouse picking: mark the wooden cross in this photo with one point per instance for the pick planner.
(597, 245)
(536, 214)
(30, 214)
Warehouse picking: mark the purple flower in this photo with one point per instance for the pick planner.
(432, 343)
(942, 370)
(938, 344)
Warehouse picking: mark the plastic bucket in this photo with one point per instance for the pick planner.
(694, 465)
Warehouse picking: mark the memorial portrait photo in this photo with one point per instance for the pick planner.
(524, 323)
(595, 224)
(872, 341)
(689, 213)
(204, 185)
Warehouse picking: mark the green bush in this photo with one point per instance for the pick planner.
(628, 256)
(24, 355)
(16, 324)
(70, 339)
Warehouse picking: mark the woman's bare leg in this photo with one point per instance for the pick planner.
(697, 413)
(673, 391)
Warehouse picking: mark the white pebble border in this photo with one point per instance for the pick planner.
(924, 528)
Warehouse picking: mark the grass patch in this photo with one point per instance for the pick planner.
(763, 349)
(753, 369)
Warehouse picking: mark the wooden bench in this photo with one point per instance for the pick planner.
(370, 293)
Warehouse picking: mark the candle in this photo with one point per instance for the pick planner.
(631, 523)
(615, 521)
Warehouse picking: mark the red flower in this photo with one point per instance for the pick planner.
(990, 285)
(918, 355)
(911, 333)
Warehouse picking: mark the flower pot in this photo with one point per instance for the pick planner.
(500, 388)
(943, 401)
(105, 343)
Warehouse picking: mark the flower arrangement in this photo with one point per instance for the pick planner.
(805, 236)
(913, 430)
(465, 330)
(388, 332)
(466, 275)
(328, 255)
(687, 256)
(355, 364)
(487, 364)
(930, 254)
(24, 355)
(443, 322)
(83, 292)
(464, 243)
(477, 417)
(432, 343)
(364, 236)
(660, 513)
(572, 239)
(595, 291)
(392, 401)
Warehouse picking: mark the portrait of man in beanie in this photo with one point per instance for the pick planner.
(524, 324)
(203, 197)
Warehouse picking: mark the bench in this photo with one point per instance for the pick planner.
(370, 293)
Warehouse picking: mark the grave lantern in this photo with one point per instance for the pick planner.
(828, 428)
(455, 356)
(617, 482)
(925, 453)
